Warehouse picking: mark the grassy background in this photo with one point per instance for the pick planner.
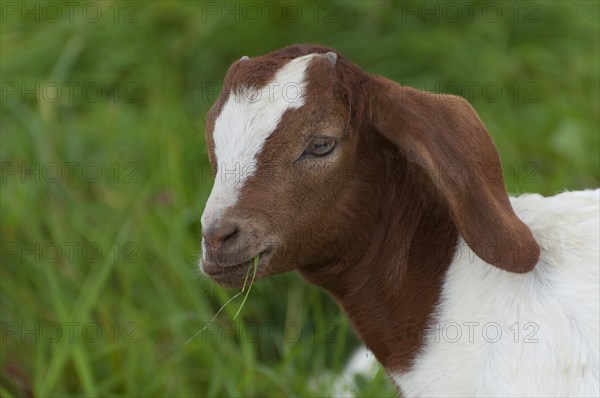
(117, 254)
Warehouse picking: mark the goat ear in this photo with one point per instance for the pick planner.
(444, 135)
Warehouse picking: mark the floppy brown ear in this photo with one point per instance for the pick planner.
(444, 135)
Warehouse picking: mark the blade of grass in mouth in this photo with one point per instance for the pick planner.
(249, 287)
(234, 297)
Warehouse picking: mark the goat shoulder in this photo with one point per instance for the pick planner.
(507, 334)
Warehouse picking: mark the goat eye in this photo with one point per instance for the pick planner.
(320, 146)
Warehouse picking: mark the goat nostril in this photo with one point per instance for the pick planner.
(229, 233)
(218, 234)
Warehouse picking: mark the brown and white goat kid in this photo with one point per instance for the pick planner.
(393, 200)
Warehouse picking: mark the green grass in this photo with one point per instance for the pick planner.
(144, 292)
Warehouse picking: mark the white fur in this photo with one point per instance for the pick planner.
(246, 121)
(556, 304)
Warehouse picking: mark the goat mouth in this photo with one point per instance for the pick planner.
(234, 275)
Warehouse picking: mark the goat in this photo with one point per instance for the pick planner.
(393, 200)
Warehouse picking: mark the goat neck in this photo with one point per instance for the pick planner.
(390, 278)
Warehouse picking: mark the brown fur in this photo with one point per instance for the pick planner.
(376, 223)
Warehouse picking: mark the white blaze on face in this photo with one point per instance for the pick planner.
(246, 120)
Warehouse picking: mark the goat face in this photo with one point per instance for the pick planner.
(302, 143)
(281, 146)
